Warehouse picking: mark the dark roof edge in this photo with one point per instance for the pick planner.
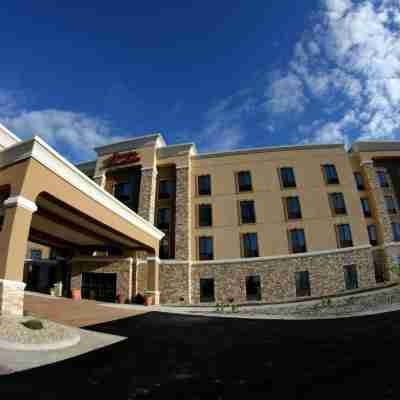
(270, 149)
(375, 145)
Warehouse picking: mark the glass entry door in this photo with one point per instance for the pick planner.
(99, 286)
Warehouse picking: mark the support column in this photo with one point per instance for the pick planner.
(379, 201)
(147, 196)
(100, 180)
(13, 244)
(182, 217)
(153, 276)
(383, 219)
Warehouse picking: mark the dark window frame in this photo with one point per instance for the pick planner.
(366, 210)
(359, 182)
(127, 199)
(333, 203)
(203, 255)
(343, 243)
(204, 191)
(303, 284)
(207, 299)
(330, 174)
(253, 281)
(250, 218)
(244, 187)
(294, 214)
(202, 223)
(164, 225)
(372, 241)
(248, 252)
(287, 178)
(382, 179)
(165, 246)
(396, 231)
(295, 246)
(350, 277)
(168, 194)
(38, 251)
(391, 210)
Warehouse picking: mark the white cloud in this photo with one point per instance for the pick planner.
(223, 128)
(74, 134)
(350, 61)
(285, 94)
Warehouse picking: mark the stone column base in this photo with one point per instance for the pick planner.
(11, 297)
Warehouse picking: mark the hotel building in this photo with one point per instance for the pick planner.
(269, 224)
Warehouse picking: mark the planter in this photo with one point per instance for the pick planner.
(76, 294)
(148, 300)
(120, 299)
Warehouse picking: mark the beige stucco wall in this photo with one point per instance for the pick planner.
(271, 225)
(35, 246)
(147, 159)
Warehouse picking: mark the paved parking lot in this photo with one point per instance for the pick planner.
(170, 356)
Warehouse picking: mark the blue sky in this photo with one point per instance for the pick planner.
(223, 74)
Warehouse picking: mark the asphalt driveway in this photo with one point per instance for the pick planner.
(187, 357)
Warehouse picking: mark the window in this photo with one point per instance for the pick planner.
(253, 288)
(337, 203)
(383, 182)
(297, 241)
(344, 237)
(165, 246)
(244, 181)
(247, 212)
(359, 181)
(372, 234)
(350, 277)
(123, 192)
(287, 177)
(365, 207)
(166, 189)
(207, 290)
(36, 254)
(206, 248)
(204, 185)
(249, 245)
(331, 177)
(302, 284)
(390, 205)
(293, 209)
(205, 215)
(379, 272)
(164, 218)
(396, 231)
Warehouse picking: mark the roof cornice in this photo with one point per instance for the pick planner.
(270, 150)
(154, 139)
(40, 151)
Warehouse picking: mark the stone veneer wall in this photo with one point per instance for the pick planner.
(140, 274)
(182, 217)
(378, 196)
(174, 282)
(390, 253)
(278, 275)
(121, 266)
(11, 298)
(147, 195)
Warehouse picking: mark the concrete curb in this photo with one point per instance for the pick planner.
(61, 344)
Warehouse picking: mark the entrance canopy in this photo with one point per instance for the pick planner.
(48, 200)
